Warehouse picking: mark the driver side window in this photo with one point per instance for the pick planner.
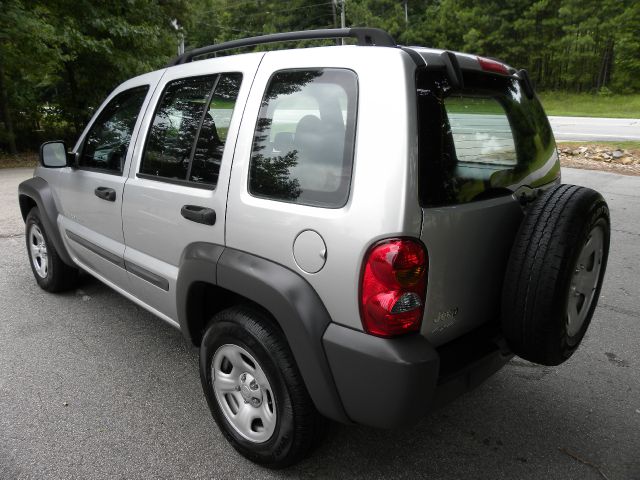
(106, 144)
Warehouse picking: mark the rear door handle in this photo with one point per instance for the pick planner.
(199, 214)
(105, 193)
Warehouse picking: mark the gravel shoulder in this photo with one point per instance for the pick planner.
(598, 156)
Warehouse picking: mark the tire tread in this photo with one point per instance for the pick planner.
(537, 270)
(308, 424)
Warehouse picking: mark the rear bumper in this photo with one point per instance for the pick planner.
(389, 383)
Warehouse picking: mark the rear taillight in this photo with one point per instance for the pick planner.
(489, 65)
(393, 287)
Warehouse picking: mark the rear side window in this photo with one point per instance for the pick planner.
(304, 138)
(482, 141)
(186, 140)
(107, 142)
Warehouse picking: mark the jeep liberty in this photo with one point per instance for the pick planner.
(358, 233)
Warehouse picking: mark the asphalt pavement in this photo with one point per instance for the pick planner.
(10, 220)
(590, 129)
(93, 387)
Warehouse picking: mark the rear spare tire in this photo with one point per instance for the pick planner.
(555, 273)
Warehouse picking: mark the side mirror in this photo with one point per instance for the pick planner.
(53, 154)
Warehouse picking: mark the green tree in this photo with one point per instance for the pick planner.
(28, 56)
(626, 65)
(60, 58)
(104, 43)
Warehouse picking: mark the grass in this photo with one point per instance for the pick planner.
(588, 105)
(559, 103)
(473, 105)
(22, 160)
(627, 145)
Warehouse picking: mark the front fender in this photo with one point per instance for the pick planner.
(37, 190)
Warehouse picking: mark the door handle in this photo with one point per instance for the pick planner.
(198, 214)
(105, 193)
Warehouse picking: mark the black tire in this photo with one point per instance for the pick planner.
(58, 276)
(298, 425)
(543, 269)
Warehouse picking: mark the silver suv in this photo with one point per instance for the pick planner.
(358, 232)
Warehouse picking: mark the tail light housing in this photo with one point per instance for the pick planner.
(489, 65)
(393, 287)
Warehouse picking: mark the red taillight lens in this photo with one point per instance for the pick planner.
(392, 289)
(489, 65)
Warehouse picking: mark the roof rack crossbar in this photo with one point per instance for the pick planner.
(364, 36)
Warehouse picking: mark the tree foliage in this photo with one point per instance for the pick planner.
(60, 58)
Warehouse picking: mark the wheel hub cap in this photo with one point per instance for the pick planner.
(38, 251)
(243, 393)
(585, 281)
(250, 390)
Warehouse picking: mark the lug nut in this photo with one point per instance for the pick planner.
(243, 377)
(253, 385)
(255, 402)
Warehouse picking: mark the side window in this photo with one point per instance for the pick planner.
(304, 139)
(189, 129)
(480, 130)
(213, 133)
(175, 126)
(106, 144)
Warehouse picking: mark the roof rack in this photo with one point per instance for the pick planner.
(364, 36)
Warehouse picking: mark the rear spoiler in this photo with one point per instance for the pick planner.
(527, 84)
(454, 64)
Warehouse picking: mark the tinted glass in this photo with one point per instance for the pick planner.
(213, 133)
(175, 126)
(106, 144)
(482, 141)
(303, 143)
(480, 130)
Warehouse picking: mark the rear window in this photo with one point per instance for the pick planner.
(482, 141)
(480, 130)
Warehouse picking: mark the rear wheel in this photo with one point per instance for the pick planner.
(254, 389)
(555, 273)
(50, 272)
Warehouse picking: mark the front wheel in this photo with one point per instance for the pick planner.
(254, 389)
(50, 272)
